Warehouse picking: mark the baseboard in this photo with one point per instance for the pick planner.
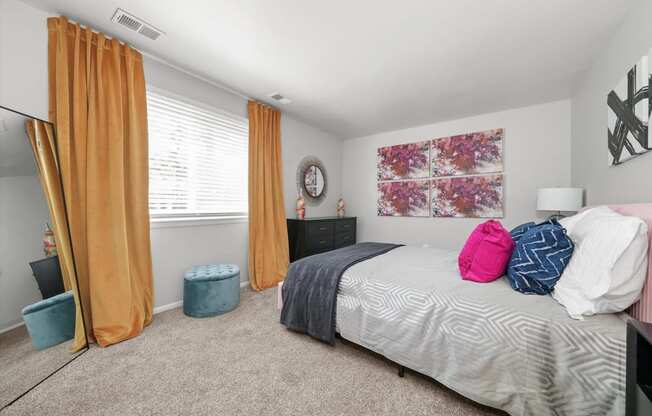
(157, 309)
(178, 303)
(168, 307)
(9, 328)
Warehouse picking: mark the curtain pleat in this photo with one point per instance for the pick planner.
(41, 137)
(98, 105)
(268, 239)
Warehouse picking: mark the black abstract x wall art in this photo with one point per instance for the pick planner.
(628, 116)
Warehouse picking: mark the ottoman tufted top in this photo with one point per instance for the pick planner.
(46, 303)
(212, 272)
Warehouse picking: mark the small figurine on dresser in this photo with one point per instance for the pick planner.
(49, 242)
(301, 206)
(340, 208)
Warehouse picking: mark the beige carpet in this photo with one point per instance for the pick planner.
(241, 363)
(22, 366)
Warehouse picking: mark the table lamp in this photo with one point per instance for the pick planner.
(559, 200)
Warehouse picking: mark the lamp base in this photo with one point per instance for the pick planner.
(557, 216)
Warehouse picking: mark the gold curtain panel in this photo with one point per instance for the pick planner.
(41, 137)
(268, 238)
(98, 105)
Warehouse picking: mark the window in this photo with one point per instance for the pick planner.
(197, 159)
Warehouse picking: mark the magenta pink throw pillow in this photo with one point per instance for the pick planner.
(486, 253)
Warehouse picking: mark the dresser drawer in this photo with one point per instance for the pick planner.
(347, 225)
(345, 238)
(320, 242)
(320, 228)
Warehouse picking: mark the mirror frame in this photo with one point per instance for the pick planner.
(74, 262)
(307, 162)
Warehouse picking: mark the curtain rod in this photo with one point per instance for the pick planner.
(174, 66)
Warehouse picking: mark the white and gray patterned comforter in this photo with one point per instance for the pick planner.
(515, 352)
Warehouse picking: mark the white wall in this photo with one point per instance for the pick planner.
(23, 86)
(628, 182)
(23, 59)
(536, 154)
(23, 215)
(177, 248)
(23, 211)
(300, 140)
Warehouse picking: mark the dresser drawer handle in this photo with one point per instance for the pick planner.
(322, 228)
(347, 225)
(322, 241)
(345, 238)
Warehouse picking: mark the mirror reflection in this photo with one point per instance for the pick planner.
(39, 317)
(313, 181)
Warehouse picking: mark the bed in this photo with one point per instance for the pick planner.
(519, 353)
(514, 352)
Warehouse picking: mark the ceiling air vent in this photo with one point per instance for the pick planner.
(131, 22)
(153, 34)
(278, 97)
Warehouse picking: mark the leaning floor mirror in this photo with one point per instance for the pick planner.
(41, 320)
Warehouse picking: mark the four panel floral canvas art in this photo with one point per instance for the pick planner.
(455, 176)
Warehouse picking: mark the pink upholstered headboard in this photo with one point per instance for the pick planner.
(641, 310)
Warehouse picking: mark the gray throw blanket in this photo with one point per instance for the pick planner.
(310, 288)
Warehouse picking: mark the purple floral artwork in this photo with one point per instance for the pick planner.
(479, 152)
(404, 161)
(469, 196)
(403, 199)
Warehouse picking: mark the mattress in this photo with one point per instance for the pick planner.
(520, 353)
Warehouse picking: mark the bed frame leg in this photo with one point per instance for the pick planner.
(401, 371)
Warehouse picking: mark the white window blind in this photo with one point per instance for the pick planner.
(197, 159)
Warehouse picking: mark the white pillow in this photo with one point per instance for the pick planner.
(609, 264)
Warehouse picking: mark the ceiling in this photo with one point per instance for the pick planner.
(354, 68)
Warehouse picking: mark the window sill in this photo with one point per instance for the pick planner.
(172, 222)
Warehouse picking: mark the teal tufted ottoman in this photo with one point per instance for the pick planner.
(51, 321)
(211, 290)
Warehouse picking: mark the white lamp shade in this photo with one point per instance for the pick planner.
(559, 199)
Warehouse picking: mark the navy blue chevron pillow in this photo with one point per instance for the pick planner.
(541, 254)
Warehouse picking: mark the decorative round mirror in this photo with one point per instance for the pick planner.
(312, 181)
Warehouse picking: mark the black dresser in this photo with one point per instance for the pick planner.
(317, 235)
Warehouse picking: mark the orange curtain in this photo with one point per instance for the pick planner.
(268, 237)
(41, 137)
(97, 103)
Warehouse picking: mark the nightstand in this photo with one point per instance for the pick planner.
(639, 369)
